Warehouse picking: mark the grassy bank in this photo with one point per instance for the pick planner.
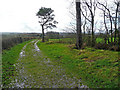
(9, 58)
(96, 68)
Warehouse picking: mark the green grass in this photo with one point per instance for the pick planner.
(97, 68)
(9, 58)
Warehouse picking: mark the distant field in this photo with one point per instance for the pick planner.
(64, 40)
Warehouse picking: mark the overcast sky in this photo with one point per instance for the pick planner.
(20, 15)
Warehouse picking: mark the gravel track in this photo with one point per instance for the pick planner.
(34, 70)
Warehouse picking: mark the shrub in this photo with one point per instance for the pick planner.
(102, 46)
(11, 41)
(114, 48)
(72, 46)
(84, 45)
(110, 46)
(49, 42)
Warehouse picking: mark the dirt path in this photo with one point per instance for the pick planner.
(34, 70)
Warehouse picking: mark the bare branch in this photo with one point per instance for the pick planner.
(85, 16)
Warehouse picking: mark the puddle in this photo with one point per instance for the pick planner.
(22, 53)
(36, 47)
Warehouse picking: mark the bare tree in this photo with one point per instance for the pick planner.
(110, 18)
(106, 28)
(91, 5)
(70, 28)
(72, 14)
(117, 4)
(84, 21)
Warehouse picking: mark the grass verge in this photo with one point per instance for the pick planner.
(96, 68)
(9, 58)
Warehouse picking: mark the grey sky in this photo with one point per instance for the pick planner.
(20, 15)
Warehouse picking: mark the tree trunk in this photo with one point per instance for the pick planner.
(119, 31)
(78, 21)
(84, 31)
(116, 22)
(115, 32)
(106, 36)
(93, 38)
(119, 37)
(111, 28)
(43, 40)
(89, 42)
(78, 25)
